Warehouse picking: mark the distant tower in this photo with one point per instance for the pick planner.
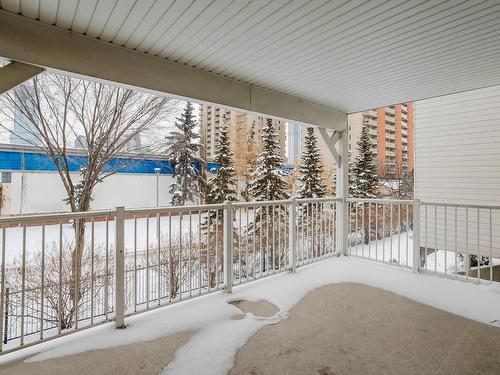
(293, 143)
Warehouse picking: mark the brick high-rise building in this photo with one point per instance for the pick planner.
(391, 131)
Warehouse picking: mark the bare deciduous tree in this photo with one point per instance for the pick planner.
(53, 112)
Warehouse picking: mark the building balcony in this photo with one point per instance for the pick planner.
(371, 113)
(390, 111)
(371, 122)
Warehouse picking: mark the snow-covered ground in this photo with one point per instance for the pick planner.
(177, 225)
(398, 249)
(212, 349)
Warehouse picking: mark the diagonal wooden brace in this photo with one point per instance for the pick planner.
(331, 141)
(15, 73)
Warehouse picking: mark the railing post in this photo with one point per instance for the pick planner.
(292, 233)
(120, 267)
(416, 235)
(228, 247)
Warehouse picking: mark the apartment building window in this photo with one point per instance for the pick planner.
(6, 177)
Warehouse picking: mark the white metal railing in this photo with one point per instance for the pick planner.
(456, 240)
(64, 272)
(460, 240)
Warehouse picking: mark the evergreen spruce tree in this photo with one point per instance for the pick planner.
(183, 151)
(310, 169)
(268, 181)
(223, 184)
(364, 179)
(269, 184)
(221, 189)
(364, 173)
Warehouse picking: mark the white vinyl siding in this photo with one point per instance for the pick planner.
(457, 160)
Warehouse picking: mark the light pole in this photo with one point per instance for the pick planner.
(157, 171)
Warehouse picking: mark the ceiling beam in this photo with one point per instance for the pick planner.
(15, 73)
(32, 42)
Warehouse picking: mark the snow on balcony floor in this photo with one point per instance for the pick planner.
(212, 349)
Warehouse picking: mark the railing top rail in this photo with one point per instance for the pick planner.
(385, 201)
(461, 205)
(261, 203)
(284, 201)
(52, 217)
(173, 209)
(314, 200)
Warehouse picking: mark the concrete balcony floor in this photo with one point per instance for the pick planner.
(346, 322)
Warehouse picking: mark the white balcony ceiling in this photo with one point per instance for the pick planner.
(346, 55)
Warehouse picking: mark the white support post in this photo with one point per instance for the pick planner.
(416, 235)
(228, 247)
(342, 193)
(120, 268)
(292, 233)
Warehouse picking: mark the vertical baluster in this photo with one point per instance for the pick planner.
(369, 230)
(399, 233)
(456, 243)
(273, 250)
(135, 263)
(239, 245)
(407, 232)
(435, 239)
(190, 245)
(147, 261)
(280, 225)
(77, 271)
(376, 230)
(491, 246)
(170, 259)
(445, 240)
(190, 266)
(106, 281)
(260, 240)
(302, 235)
(478, 248)
(23, 284)
(334, 242)
(426, 236)
(42, 285)
(391, 229)
(356, 224)
(266, 257)
(383, 232)
(363, 230)
(2, 290)
(199, 252)
(254, 242)
(92, 265)
(180, 257)
(60, 302)
(349, 236)
(467, 258)
(158, 256)
(247, 237)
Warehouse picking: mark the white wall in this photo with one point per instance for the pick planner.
(33, 192)
(457, 149)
